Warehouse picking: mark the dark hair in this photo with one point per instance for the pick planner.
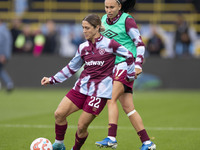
(94, 20)
(127, 5)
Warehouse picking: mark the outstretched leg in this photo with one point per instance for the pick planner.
(113, 114)
(82, 133)
(126, 101)
(65, 108)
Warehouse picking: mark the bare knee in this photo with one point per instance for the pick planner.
(111, 102)
(82, 129)
(59, 116)
(127, 103)
(128, 108)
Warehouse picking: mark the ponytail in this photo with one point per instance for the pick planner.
(127, 5)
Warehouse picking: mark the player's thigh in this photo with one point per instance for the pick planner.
(85, 119)
(118, 89)
(66, 107)
(126, 100)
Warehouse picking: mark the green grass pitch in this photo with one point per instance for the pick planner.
(170, 117)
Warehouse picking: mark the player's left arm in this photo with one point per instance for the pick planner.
(120, 50)
(133, 32)
(73, 66)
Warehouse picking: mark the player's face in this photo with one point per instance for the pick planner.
(112, 8)
(89, 31)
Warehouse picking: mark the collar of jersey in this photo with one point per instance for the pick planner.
(97, 39)
(115, 19)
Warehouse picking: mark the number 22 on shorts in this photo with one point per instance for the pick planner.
(94, 102)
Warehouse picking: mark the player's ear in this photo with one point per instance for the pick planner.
(120, 6)
(98, 28)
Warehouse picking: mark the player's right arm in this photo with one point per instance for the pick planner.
(73, 66)
(45, 80)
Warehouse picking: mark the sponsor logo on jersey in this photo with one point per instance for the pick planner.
(94, 63)
(110, 34)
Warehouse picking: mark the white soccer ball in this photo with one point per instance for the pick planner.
(41, 144)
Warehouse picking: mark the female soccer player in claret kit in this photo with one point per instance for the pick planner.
(121, 27)
(94, 86)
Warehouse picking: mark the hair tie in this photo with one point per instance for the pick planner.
(118, 1)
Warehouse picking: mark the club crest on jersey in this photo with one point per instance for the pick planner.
(94, 109)
(102, 51)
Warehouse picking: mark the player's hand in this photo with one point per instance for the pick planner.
(45, 80)
(138, 71)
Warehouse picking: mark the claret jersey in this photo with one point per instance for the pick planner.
(97, 77)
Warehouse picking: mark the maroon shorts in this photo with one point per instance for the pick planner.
(90, 104)
(120, 75)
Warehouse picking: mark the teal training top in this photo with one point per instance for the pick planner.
(117, 31)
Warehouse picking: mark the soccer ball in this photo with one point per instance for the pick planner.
(41, 144)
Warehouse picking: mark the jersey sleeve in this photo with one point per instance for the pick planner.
(73, 66)
(133, 32)
(122, 51)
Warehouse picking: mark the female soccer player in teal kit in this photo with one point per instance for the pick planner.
(121, 27)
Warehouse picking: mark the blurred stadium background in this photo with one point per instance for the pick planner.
(167, 94)
(53, 29)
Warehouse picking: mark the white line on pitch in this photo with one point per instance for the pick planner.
(101, 127)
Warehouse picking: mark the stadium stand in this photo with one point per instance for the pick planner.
(72, 11)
